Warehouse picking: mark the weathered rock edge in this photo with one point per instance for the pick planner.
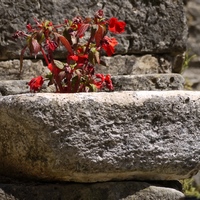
(126, 190)
(88, 137)
(120, 83)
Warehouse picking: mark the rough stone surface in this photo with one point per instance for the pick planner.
(12, 87)
(116, 65)
(157, 193)
(120, 83)
(99, 191)
(193, 43)
(148, 82)
(100, 136)
(152, 26)
(193, 21)
(191, 76)
(9, 70)
(124, 65)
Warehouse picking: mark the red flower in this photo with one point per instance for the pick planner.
(108, 82)
(54, 70)
(73, 57)
(99, 14)
(116, 26)
(51, 45)
(29, 27)
(109, 45)
(99, 84)
(36, 83)
(104, 80)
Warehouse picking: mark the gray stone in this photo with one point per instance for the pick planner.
(120, 83)
(124, 65)
(157, 193)
(10, 69)
(193, 43)
(152, 26)
(12, 87)
(192, 78)
(116, 65)
(131, 190)
(148, 82)
(193, 21)
(88, 137)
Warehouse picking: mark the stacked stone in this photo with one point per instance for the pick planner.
(193, 43)
(149, 135)
(148, 54)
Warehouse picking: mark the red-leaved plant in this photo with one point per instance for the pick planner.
(83, 51)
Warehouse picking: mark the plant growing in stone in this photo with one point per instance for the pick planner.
(84, 39)
(187, 59)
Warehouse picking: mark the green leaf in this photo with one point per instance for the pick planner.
(40, 37)
(93, 87)
(61, 75)
(93, 30)
(59, 64)
(49, 76)
(96, 54)
(103, 63)
(67, 35)
(91, 58)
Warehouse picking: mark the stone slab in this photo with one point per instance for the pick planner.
(120, 83)
(152, 26)
(116, 65)
(148, 82)
(98, 191)
(89, 137)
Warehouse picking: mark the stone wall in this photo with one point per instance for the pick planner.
(137, 143)
(193, 43)
(157, 28)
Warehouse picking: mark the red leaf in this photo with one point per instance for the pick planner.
(99, 35)
(35, 46)
(65, 42)
(82, 30)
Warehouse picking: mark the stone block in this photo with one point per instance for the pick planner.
(152, 26)
(116, 65)
(148, 82)
(98, 191)
(120, 83)
(10, 69)
(89, 137)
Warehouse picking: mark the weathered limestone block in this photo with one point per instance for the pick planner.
(193, 21)
(12, 87)
(152, 26)
(99, 191)
(151, 135)
(120, 83)
(153, 192)
(130, 64)
(148, 82)
(116, 65)
(193, 43)
(9, 70)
